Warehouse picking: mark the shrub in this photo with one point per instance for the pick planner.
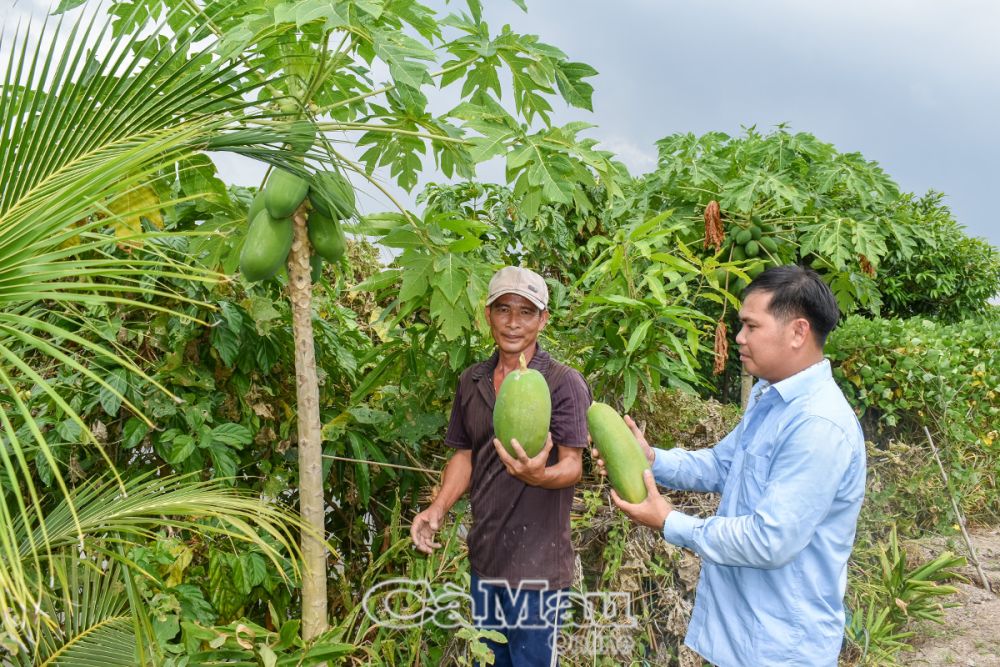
(905, 375)
(942, 273)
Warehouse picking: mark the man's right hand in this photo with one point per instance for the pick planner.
(425, 526)
(646, 449)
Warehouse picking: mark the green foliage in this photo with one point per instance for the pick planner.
(881, 251)
(785, 198)
(640, 285)
(944, 275)
(189, 375)
(87, 137)
(903, 375)
(247, 643)
(642, 292)
(884, 604)
(816, 205)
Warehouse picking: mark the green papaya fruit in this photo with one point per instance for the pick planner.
(316, 265)
(326, 237)
(755, 232)
(332, 195)
(266, 247)
(738, 254)
(752, 248)
(769, 244)
(302, 135)
(756, 269)
(283, 193)
(256, 206)
(523, 410)
(623, 457)
(743, 236)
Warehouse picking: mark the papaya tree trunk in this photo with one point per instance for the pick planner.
(746, 386)
(311, 501)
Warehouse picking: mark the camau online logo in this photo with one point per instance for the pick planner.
(409, 603)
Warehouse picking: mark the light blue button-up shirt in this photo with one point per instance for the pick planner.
(774, 558)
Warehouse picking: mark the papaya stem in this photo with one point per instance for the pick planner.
(524, 364)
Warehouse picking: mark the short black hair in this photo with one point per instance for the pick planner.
(797, 291)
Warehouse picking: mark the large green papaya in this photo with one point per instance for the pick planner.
(256, 206)
(332, 195)
(326, 237)
(266, 247)
(283, 193)
(523, 410)
(623, 457)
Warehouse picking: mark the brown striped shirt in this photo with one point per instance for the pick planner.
(519, 532)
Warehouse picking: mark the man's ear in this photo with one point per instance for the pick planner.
(545, 319)
(801, 332)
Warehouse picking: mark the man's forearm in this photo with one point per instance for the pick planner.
(566, 472)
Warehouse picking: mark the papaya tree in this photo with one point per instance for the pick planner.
(661, 265)
(357, 75)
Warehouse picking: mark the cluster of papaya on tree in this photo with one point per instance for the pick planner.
(754, 238)
(330, 199)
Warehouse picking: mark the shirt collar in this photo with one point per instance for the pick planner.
(540, 361)
(798, 384)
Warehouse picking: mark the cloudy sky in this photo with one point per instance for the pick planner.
(911, 84)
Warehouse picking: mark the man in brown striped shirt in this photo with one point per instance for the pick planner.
(519, 545)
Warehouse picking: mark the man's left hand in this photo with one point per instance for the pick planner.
(529, 470)
(650, 512)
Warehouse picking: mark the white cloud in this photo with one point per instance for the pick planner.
(638, 159)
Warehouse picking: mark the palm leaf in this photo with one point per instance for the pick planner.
(95, 626)
(84, 612)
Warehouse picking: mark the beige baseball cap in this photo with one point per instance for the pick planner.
(523, 282)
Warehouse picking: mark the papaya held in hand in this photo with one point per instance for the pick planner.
(623, 456)
(523, 410)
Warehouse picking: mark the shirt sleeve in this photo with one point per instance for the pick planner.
(456, 435)
(700, 470)
(569, 411)
(805, 473)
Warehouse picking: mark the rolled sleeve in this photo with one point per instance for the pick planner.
(679, 528)
(456, 435)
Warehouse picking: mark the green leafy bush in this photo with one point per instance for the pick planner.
(944, 274)
(905, 375)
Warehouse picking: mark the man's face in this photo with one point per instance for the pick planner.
(515, 323)
(766, 343)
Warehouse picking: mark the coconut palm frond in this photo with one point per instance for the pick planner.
(91, 621)
(84, 610)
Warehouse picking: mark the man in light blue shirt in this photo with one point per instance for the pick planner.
(792, 479)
